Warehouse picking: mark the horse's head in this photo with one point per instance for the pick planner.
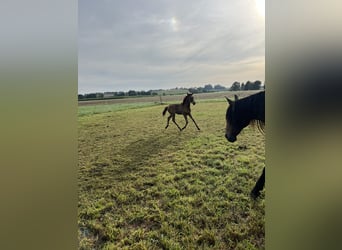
(235, 119)
(191, 98)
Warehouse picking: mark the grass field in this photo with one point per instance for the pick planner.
(144, 187)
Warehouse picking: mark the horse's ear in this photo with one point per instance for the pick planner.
(228, 100)
(236, 97)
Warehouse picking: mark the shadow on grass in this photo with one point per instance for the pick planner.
(139, 153)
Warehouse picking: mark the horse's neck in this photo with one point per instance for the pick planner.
(186, 104)
(257, 110)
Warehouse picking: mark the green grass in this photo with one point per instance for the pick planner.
(104, 108)
(144, 187)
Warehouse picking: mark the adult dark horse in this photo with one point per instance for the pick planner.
(240, 114)
(181, 109)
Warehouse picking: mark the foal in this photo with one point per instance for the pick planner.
(181, 109)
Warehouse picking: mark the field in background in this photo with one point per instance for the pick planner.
(168, 98)
(144, 187)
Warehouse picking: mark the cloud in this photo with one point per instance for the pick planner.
(161, 44)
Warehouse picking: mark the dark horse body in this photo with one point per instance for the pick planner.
(240, 114)
(181, 109)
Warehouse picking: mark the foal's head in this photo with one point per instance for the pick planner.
(189, 99)
(235, 118)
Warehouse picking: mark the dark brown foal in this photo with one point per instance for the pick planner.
(181, 109)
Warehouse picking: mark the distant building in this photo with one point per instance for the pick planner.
(108, 94)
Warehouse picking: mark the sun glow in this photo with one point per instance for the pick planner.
(260, 6)
(174, 24)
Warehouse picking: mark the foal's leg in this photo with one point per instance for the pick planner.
(186, 121)
(168, 120)
(259, 185)
(174, 121)
(194, 121)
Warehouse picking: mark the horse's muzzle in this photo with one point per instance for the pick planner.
(231, 138)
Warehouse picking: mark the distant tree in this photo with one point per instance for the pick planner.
(219, 87)
(257, 85)
(235, 86)
(80, 97)
(248, 85)
(208, 88)
(193, 90)
(200, 89)
(120, 93)
(132, 93)
(90, 96)
(242, 86)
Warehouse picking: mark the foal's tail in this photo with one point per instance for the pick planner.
(164, 112)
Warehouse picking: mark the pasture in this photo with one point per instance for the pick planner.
(145, 187)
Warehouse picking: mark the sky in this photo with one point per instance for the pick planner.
(161, 44)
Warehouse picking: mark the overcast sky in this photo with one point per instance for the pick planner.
(152, 44)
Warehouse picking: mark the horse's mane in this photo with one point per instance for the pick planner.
(250, 101)
(185, 98)
(259, 124)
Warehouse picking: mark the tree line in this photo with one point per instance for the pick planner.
(256, 85)
(115, 94)
(246, 86)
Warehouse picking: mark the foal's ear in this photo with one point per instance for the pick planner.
(236, 97)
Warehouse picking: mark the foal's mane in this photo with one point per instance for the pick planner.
(185, 98)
